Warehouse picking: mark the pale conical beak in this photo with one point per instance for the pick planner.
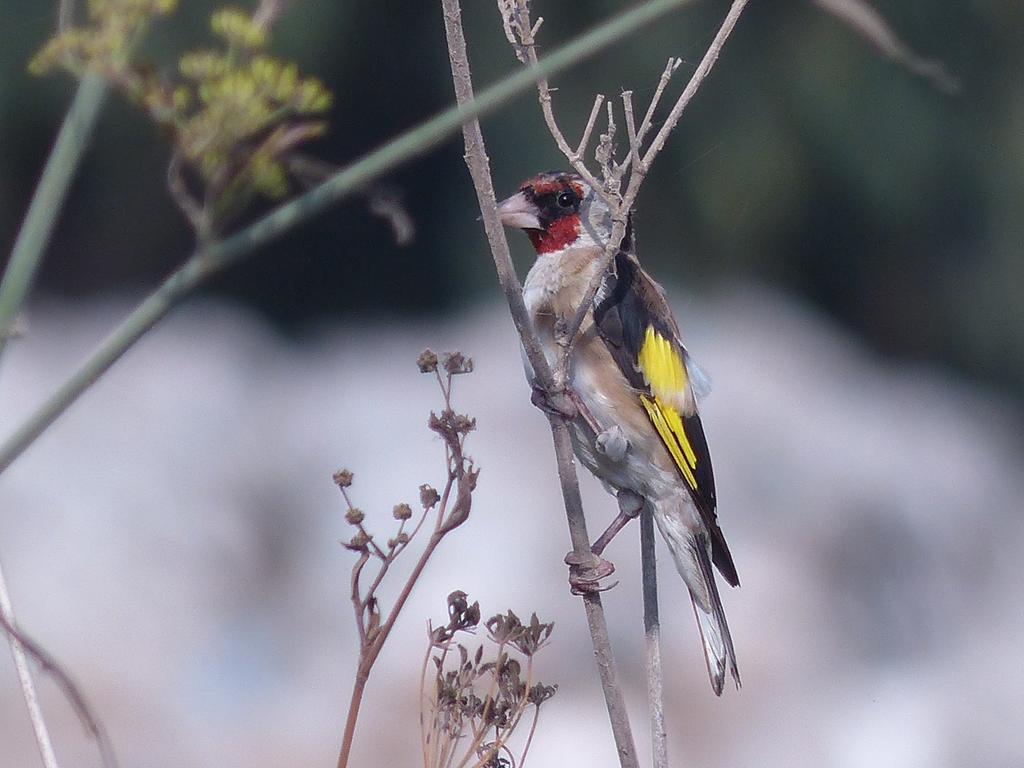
(519, 212)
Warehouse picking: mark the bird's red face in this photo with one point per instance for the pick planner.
(547, 208)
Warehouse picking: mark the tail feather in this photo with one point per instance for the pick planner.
(691, 552)
(714, 630)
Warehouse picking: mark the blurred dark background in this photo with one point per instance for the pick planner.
(807, 163)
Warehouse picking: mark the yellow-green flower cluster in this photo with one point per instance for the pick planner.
(242, 95)
(234, 118)
(238, 29)
(114, 27)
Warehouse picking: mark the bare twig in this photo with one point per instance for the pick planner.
(191, 208)
(605, 156)
(65, 15)
(28, 687)
(639, 172)
(71, 691)
(382, 200)
(516, 16)
(652, 633)
(594, 112)
(634, 143)
(659, 91)
(269, 11)
(696, 80)
(518, 26)
(387, 205)
(870, 25)
(479, 168)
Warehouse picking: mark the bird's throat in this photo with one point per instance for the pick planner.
(559, 235)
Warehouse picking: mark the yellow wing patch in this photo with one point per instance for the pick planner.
(663, 368)
(670, 429)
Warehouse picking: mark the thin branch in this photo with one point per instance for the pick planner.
(357, 600)
(594, 112)
(269, 11)
(28, 687)
(659, 91)
(479, 168)
(71, 691)
(605, 156)
(518, 14)
(870, 25)
(603, 656)
(699, 76)
(634, 141)
(65, 15)
(652, 635)
(48, 198)
(191, 208)
(220, 255)
(529, 737)
(639, 173)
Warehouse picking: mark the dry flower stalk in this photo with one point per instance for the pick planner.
(447, 509)
(475, 702)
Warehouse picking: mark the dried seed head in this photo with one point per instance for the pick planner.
(533, 636)
(343, 478)
(354, 516)
(463, 424)
(504, 628)
(428, 496)
(358, 542)
(402, 511)
(427, 361)
(541, 693)
(461, 615)
(456, 363)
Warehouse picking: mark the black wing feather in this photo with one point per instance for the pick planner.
(629, 303)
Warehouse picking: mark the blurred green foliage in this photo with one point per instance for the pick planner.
(234, 120)
(806, 163)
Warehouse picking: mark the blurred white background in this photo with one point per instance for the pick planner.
(174, 542)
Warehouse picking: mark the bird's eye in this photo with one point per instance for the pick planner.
(566, 200)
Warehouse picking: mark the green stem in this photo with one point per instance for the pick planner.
(131, 329)
(47, 200)
(222, 254)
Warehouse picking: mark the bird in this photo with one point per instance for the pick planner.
(632, 389)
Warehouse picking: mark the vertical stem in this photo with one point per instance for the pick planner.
(603, 656)
(652, 633)
(48, 198)
(479, 169)
(28, 688)
(362, 675)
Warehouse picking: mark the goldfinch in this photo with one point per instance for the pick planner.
(635, 425)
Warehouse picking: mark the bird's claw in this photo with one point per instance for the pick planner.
(586, 572)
